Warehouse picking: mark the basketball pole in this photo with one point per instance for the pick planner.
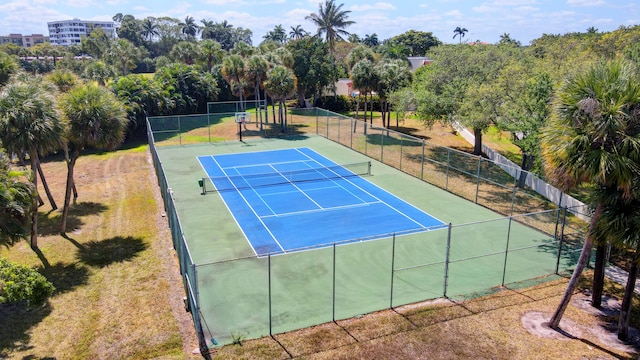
(240, 130)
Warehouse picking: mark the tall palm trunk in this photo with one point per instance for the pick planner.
(371, 109)
(383, 110)
(46, 186)
(66, 157)
(598, 276)
(625, 308)
(257, 102)
(273, 108)
(33, 156)
(365, 107)
(358, 106)
(554, 323)
(67, 195)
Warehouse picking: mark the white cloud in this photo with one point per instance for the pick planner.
(223, 2)
(376, 6)
(514, 2)
(585, 3)
(485, 9)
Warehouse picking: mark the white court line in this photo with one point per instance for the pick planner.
(252, 210)
(268, 164)
(296, 186)
(375, 197)
(321, 210)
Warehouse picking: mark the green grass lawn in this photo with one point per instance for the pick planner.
(118, 291)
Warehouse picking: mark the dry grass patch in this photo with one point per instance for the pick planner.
(433, 312)
(387, 322)
(265, 348)
(315, 339)
(118, 292)
(490, 327)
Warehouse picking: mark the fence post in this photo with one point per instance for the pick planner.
(506, 251)
(393, 260)
(317, 122)
(422, 162)
(513, 196)
(269, 284)
(366, 140)
(351, 125)
(333, 297)
(446, 262)
(401, 148)
(446, 183)
(327, 125)
(209, 126)
(339, 125)
(195, 285)
(382, 146)
(179, 131)
(478, 177)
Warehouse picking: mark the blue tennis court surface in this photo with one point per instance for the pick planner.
(287, 200)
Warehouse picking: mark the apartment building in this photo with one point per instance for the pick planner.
(23, 40)
(70, 32)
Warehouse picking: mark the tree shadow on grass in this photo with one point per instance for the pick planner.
(65, 277)
(17, 320)
(106, 252)
(50, 225)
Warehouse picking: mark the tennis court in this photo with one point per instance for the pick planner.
(294, 199)
(232, 292)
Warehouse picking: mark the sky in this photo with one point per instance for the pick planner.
(523, 20)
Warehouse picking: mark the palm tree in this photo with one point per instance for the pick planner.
(331, 21)
(365, 80)
(184, 51)
(16, 197)
(189, 27)
(211, 51)
(234, 72)
(99, 72)
(396, 50)
(149, 28)
(620, 224)
(29, 124)
(223, 33)
(393, 75)
(8, 67)
(460, 32)
(371, 40)
(281, 83)
(208, 29)
(297, 32)
(354, 39)
(278, 35)
(594, 138)
(64, 80)
(124, 54)
(257, 67)
(96, 119)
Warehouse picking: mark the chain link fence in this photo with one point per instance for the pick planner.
(258, 296)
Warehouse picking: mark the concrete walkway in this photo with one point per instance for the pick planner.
(620, 276)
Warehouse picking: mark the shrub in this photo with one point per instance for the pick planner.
(339, 104)
(19, 283)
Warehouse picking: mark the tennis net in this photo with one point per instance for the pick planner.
(237, 182)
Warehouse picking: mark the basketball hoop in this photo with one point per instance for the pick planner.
(242, 118)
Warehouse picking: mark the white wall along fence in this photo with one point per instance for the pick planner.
(553, 194)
